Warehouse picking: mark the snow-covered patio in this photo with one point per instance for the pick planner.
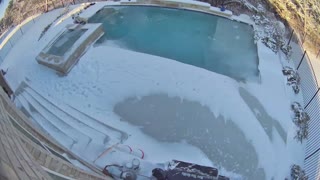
(168, 109)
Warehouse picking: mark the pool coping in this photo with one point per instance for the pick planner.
(197, 6)
(194, 6)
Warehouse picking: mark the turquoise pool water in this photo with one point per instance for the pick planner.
(199, 39)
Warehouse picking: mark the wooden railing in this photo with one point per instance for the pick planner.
(23, 157)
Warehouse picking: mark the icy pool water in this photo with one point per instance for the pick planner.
(214, 43)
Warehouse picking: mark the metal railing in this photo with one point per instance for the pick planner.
(310, 88)
(14, 36)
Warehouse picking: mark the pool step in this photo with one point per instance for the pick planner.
(65, 134)
(46, 125)
(121, 136)
(95, 135)
(18, 104)
(85, 136)
(61, 124)
(114, 134)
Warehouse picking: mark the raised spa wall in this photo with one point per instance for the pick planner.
(64, 63)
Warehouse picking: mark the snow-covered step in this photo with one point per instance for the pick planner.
(81, 140)
(94, 134)
(82, 146)
(18, 104)
(114, 134)
(46, 125)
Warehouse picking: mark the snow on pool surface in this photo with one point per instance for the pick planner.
(245, 123)
(171, 119)
(211, 42)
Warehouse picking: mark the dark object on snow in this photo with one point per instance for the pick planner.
(293, 78)
(179, 170)
(120, 172)
(4, 84)
(296, 89)
(79, 20)
(113, 170)
(129, 175)
(287, 70)
(222, 8)
(183, 170)
(301, 119)
(91, 4)
(223, 178)
(160, 174)
(44, 31)
(297, 173)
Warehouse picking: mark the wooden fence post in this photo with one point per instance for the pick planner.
(290, 37)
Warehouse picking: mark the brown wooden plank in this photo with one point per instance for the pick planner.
(23, 158)
(19, 150)
(4, 84)
(3, 154)
(6, 172)
(19, 117)
(13, 151)
(14, 161)
(29, 163)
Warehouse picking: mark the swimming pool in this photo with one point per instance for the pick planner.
(214, 43)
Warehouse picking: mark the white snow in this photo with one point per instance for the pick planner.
(96, 7)
(191, 2)
(106, 76)
(250, 6)
(218, 10)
